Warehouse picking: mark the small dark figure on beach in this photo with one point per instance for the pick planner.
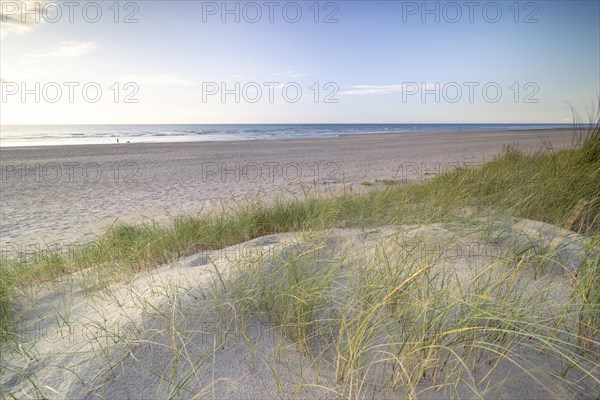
(117, 140)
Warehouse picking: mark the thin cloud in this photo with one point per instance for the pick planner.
(290, 73)
(13, 20)
(385, 89)
(64, 50)
(156, 80)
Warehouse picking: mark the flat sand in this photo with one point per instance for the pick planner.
(56, 195)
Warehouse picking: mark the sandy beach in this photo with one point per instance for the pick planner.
(300, 200)
(479, 305)
(57, 195)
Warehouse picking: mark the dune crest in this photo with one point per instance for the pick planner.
(442, 310)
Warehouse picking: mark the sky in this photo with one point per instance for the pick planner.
(153, 62)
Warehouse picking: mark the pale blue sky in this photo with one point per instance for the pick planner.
(372, 57)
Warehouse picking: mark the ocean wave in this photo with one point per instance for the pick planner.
(14, 135)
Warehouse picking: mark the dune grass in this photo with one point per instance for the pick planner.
(395, 324)
(396, 312)
(561, 188)
(384, 321)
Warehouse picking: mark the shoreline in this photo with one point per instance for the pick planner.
(53, 194)
(337, 136)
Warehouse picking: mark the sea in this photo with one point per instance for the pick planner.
(53, 135)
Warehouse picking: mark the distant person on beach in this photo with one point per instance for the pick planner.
(117, 140)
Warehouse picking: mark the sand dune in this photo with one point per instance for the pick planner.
(185, 331)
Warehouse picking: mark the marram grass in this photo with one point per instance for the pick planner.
(396, 322)
(561, 188)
